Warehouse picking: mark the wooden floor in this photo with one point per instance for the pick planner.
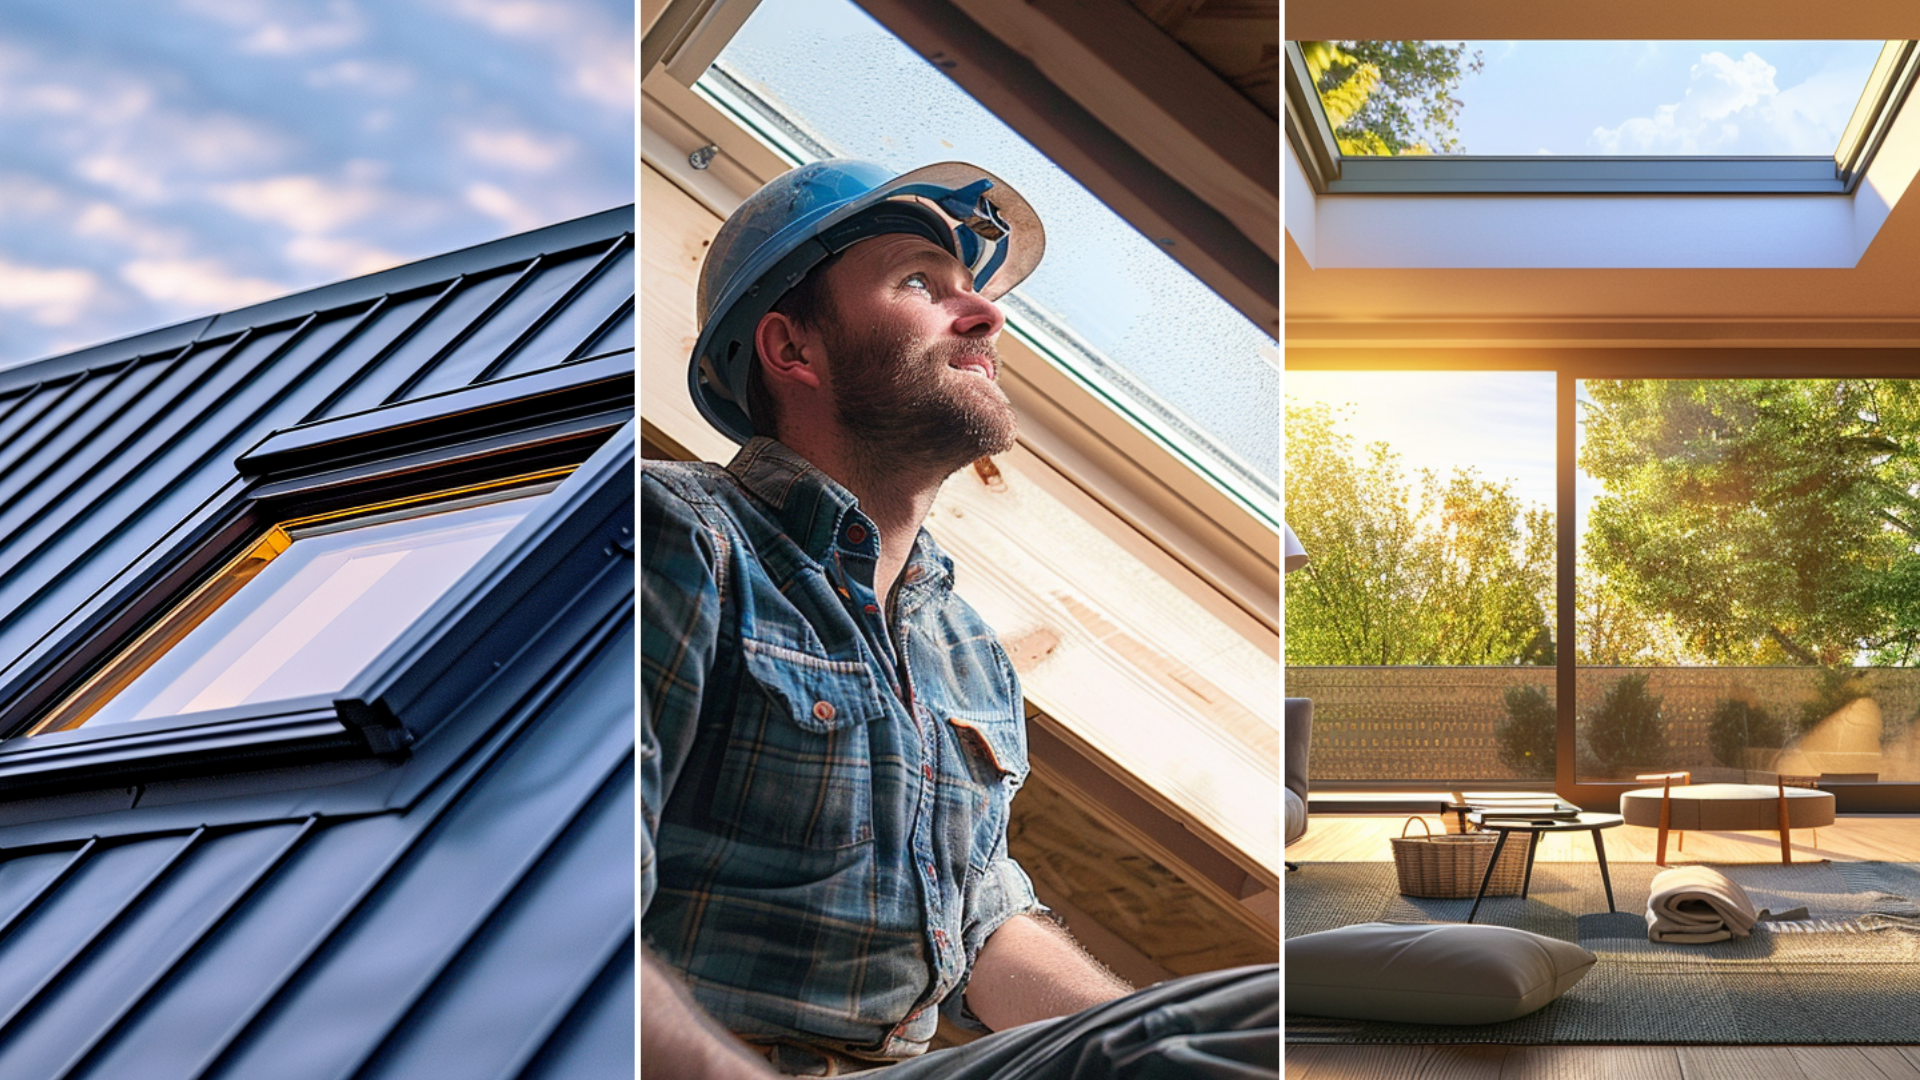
(1880, 838)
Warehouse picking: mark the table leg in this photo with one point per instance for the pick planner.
(1786, 842)
(1488, 876)
(1600, 849)
(1533, 845)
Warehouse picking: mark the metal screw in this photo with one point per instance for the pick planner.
(703, 157)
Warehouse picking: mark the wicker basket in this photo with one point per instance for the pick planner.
(1449, 865)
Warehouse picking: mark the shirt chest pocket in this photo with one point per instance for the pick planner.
(993, 753)
(797, 770)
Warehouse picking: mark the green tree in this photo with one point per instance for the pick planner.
(1766, 520)
(1610, 631)
(1528, 735)
(1628, 732)
(1453, 572)
(1390, 97)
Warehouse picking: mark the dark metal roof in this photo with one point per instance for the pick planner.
(464, 912)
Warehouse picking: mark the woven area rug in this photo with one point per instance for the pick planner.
(1850, 974)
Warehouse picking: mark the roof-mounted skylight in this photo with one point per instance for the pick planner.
(819, 78)
(1592, 116)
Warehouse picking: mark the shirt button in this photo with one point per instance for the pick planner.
(926, 771)
(872, 609)
(822, 710)
(856, 534)
(930, 870)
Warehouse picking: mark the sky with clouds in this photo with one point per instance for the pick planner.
(1661, 97)
(166, 159)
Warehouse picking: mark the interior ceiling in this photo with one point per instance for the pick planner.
(1876, 302)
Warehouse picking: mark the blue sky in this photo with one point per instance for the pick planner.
(1661, 97)
(1498, 423)
(165, 159)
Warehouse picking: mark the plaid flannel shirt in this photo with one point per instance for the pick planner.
(820, 858)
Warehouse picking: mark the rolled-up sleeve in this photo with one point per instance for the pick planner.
(999, 893)
(682, 587)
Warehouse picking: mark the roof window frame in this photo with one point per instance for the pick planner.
(1330, 172)
(577, 416)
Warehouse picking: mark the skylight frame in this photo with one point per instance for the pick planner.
(1332, 173)
(1205, 456)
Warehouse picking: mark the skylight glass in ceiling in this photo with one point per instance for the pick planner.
(1591, 98)
(820, 78)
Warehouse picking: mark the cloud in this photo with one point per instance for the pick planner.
(1735, 106)
(371, 76)
(123, 175)
(593, 47)
(27, 198)
(338, 258)
(525, 151)
(497, 203)
(270, 28)
(302, 204)
(50, 296)
(202, 284)
(105, 222)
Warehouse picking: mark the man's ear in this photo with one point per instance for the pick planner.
(787, 351)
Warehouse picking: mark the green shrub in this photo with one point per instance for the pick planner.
(1628, 733)
(1834, 690)
(1527, 737)
(1737, 726)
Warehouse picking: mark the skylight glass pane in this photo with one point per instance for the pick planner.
(820, 78)
(300, 613)
(1591, 98)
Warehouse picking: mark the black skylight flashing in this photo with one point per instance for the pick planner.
(1332, 173)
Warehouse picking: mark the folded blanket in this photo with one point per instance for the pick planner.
(1694, 905)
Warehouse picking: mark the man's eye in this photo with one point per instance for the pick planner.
(916, 281)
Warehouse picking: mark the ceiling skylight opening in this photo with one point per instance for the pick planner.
(1592, 116)
(818, 78)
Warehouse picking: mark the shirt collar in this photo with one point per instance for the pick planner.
(811, 507)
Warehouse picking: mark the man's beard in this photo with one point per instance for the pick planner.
(905, 412)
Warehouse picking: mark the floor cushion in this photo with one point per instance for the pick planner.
(1424, 973)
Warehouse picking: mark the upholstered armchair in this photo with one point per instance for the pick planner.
(1299, 722)
(1299, 733)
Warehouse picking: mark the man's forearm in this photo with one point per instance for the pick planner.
(1030, 969)
(678, 1040)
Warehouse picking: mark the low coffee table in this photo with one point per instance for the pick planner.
(1533, 827)
(1684, 807)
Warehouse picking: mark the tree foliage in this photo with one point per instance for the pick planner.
(1628, 732)
(1528, 735)
(1610, 631)
(1453, 572)
(1390, 97)
(1765, 520)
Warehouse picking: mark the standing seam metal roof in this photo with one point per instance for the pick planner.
(309, 921)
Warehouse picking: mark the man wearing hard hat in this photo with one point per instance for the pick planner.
(831, 737)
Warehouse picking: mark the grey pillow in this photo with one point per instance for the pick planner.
(1423, 973)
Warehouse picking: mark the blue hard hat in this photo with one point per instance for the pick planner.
(802, 217)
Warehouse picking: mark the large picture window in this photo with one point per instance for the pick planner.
(1422, 626)
(1746, 571)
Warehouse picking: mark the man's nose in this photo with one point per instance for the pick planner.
(978, 317)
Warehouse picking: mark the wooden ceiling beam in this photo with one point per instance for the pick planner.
(1203, 237)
